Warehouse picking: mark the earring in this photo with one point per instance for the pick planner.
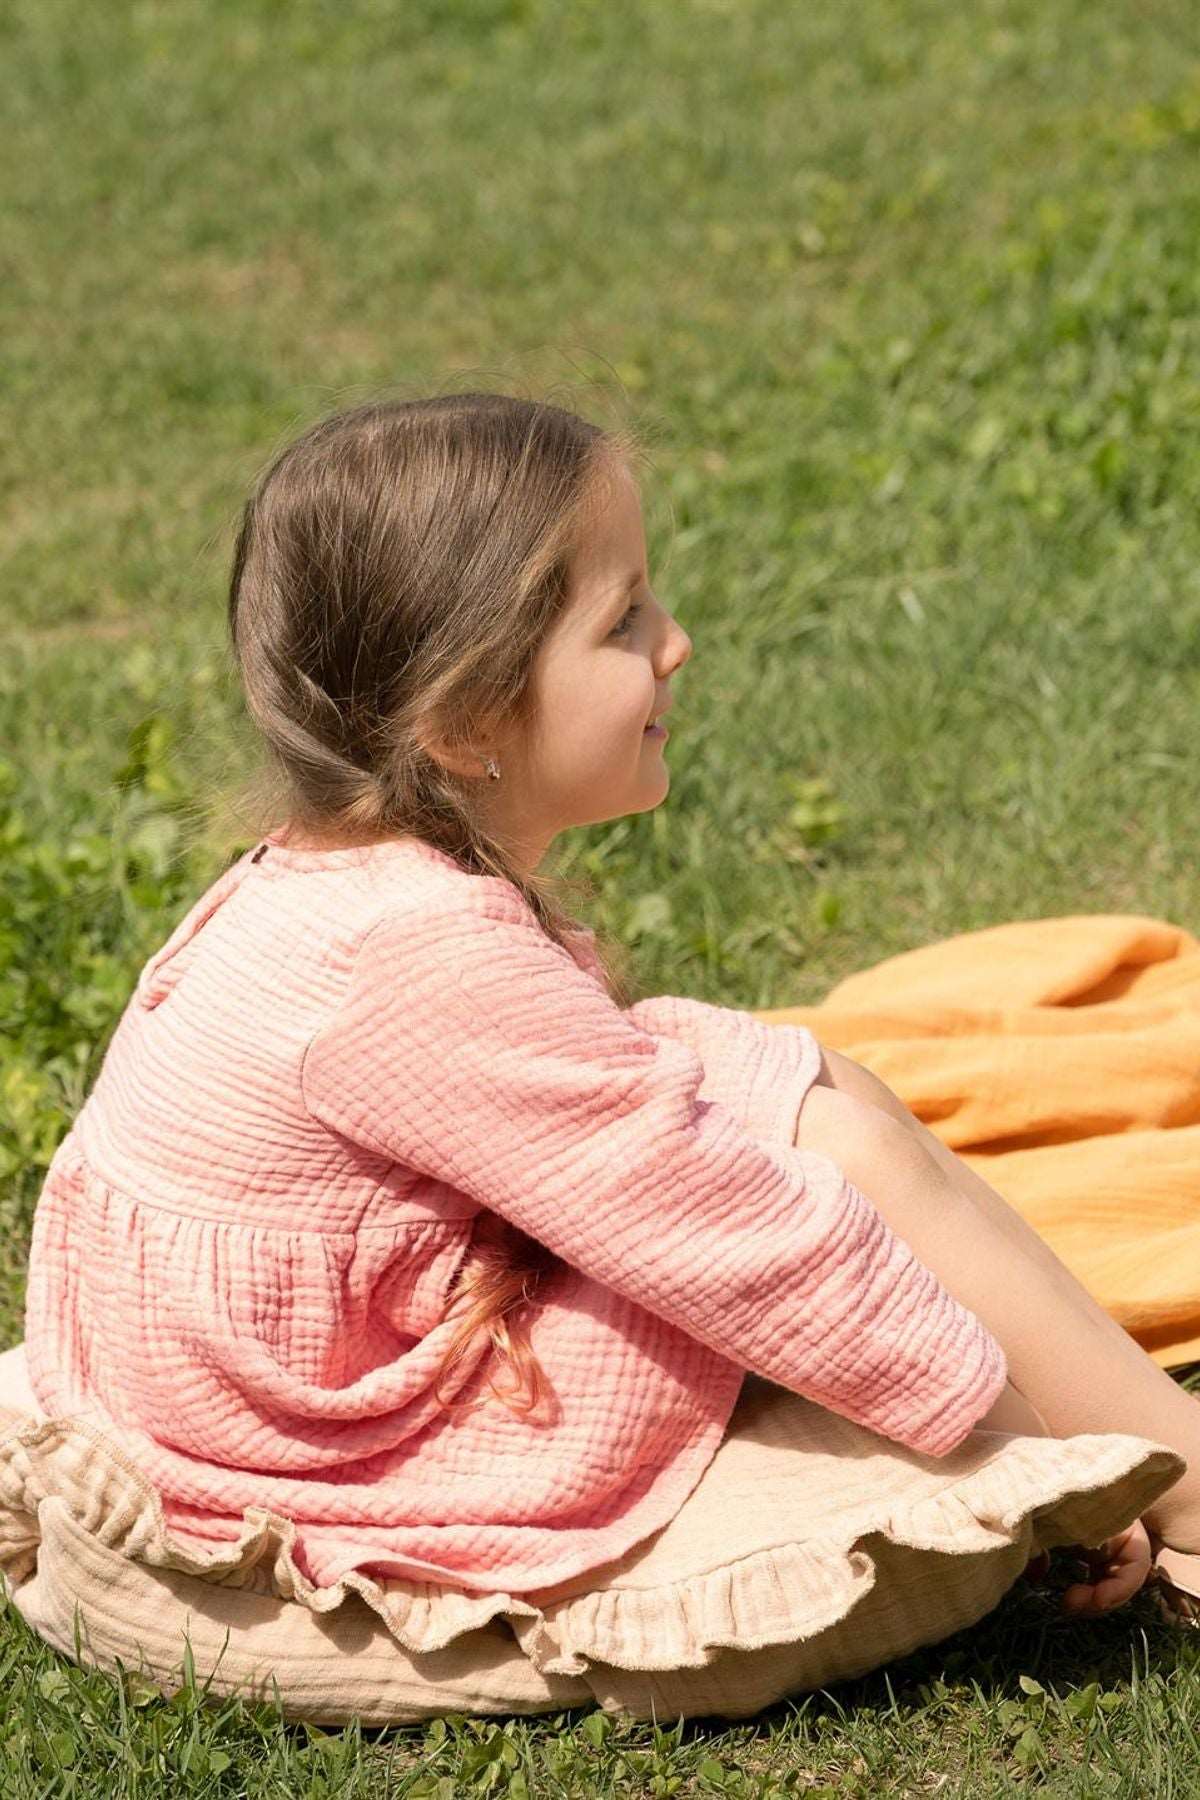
(493, 769)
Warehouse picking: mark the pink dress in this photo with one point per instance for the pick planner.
(336, 1062)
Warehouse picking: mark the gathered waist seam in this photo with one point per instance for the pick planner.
(417, 1222)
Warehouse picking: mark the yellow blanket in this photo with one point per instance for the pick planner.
(1061, 1059)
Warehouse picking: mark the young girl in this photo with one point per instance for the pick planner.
(387, 1211)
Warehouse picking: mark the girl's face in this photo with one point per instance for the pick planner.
(602, 673)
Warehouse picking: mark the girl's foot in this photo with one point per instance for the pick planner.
(1176, 1579)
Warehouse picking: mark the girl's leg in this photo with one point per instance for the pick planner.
(1076, 1365)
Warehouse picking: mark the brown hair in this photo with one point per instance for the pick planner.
(396, 571)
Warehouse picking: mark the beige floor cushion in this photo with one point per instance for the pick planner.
(811, 1551)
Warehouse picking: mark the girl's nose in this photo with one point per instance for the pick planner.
(683, 648)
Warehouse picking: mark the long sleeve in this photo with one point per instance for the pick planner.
(759, 1072)
(473, 1050)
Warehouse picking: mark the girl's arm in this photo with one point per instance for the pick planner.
(1013, 1412)
(473, 1050)
(760, 1072)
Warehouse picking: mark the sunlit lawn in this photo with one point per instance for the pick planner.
(905, 299)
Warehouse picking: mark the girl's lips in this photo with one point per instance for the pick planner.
(656, 731)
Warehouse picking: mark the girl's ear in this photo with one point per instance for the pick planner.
(459, 759)
(460, 763)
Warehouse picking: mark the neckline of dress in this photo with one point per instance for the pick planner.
(295, 856)
(289, 856)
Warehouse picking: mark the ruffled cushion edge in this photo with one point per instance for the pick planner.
(780, 1593)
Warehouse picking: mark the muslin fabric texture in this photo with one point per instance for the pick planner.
(242, 1254)
(810, 1551)
(811, 1547)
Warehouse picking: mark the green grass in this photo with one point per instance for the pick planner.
(906, 296)
(1120, 1716)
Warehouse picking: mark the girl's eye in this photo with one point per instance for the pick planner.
(619, 628)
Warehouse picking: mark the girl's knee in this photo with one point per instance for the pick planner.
(870, 1146)
(849, 1077)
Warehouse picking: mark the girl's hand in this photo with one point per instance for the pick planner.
(1119, 1568)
